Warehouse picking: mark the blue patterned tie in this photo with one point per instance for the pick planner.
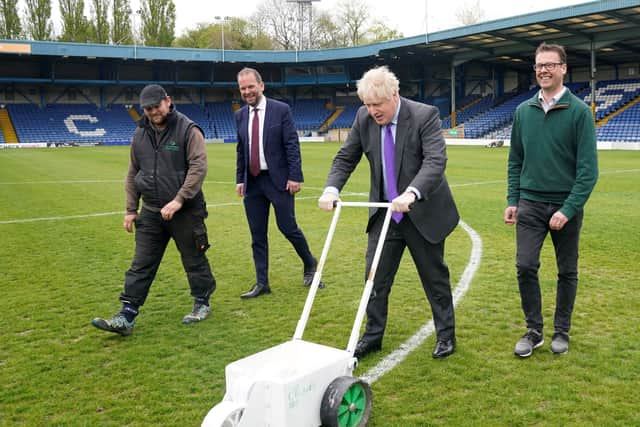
(390, 169)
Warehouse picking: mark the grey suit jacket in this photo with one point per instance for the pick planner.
(421, 159)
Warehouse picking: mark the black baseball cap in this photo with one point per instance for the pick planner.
(152, 95)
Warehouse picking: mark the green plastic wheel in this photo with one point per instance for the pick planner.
(346, 403)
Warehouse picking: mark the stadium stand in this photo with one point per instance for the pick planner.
(611, 95)
(496, 117)
(493, 59)
(623, 127)
(222, 122)
(345, 120)
(85, 123)
(310, 114)
(200, 115)
(71, 123)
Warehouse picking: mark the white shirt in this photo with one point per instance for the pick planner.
(546, 106)
(393, 123)
(262, 107)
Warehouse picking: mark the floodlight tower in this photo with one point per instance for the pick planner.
(303, 6)
(221, 21)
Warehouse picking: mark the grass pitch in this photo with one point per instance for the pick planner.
(63, 254)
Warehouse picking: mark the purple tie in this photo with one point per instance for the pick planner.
(390, 169)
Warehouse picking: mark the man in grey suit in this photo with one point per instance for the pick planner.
(407, 158)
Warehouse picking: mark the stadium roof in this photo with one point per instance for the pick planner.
(610, 27)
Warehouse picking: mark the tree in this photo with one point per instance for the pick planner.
(352, 17)
(100, 21)
(203, 36)
(470, 13)
(238, 34)
(158, 22)
(38, 21)
(121, 22)
(279, 20)
(75, 26)
(246, 36)
(326, 34)
(379, 32)
(9, 20)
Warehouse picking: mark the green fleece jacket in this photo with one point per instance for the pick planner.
(553, 157)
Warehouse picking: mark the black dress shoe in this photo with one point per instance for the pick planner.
(365, 347)
(308, 273)
(444, 348)
(257, 290)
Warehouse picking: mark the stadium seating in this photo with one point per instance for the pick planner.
(623, 127)
(310, 114)
(496, 117)
(346, 118)
(222, 121)
(613, 94)
(86, 123)
(199, 115)
(71, 123)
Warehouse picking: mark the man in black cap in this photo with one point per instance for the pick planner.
(168, 163)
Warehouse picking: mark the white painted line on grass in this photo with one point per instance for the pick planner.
(619, 171)
(92, 181)
(398, 355)
(62, 218)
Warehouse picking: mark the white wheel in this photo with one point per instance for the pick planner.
(224, 414)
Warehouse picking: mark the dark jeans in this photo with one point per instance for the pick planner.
(189, 233)
(531, 230)
(259, 196)
(432, 269)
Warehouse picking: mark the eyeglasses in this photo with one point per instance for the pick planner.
(548, 65)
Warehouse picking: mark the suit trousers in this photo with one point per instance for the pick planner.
(431, 267)
(260, 194)
(153, 233)
(532, 227)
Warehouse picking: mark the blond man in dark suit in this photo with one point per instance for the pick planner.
(407, 157)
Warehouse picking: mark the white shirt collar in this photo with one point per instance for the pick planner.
(262, 104)
(553, 99)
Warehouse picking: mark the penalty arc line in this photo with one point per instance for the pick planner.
(398, 355)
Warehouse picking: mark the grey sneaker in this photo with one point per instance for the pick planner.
(117, 324)
(529, 342)
(560, 343)
(199, 312)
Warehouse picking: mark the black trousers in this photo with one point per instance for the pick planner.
(259, 196)
(431, 267)
(189, 233)
(532, 227)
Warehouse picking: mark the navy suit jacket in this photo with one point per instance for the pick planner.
(421, 159)
(280, 144)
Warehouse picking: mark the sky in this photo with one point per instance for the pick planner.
(406, 16)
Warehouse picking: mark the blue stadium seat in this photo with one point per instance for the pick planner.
(71, 123)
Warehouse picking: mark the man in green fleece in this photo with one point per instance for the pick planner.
(552, 169)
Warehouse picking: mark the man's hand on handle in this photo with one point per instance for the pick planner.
(327, 200)
(403, 202)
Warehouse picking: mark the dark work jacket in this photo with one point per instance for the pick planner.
(162, 159)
